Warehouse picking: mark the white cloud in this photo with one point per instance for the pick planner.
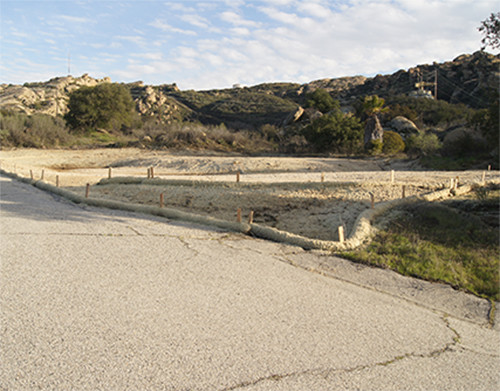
(237, 20)
(163, 26)
(195, 20)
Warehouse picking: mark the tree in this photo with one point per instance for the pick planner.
(491, 30)
(107, 105)
(322, 100)
(335, 132)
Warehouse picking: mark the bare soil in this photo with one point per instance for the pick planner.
(308, 196)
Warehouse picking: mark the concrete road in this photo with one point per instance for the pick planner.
(93, 299)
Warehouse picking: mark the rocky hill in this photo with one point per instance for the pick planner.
(467, 79)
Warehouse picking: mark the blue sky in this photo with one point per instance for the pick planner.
(204, 44)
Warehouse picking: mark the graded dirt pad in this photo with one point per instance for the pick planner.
(308, 196)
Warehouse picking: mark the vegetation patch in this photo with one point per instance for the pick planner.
(452, 242)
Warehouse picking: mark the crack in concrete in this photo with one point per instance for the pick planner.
(326, 373)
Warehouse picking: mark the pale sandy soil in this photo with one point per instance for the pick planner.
(283, 192)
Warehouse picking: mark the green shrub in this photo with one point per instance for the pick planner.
(423, 144)
(320, 99)
(374, 147)
(392, 143)
(335, 132)
(35, 131)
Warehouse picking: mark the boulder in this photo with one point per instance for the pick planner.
(403, 126)
(373, 130)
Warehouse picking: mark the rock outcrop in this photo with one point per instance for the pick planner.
(373, 130)
(49, 97)
(403, 126)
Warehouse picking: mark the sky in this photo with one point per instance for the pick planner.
(208, 44)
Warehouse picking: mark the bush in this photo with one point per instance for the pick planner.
(322, 100)
(335, 132)
(374, 147)
(423, 144)
(35, 131)
(392, 143)
(108, 105)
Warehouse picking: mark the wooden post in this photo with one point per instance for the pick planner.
(250, 217)
(57, 180)
(161, 200)
(483, 179)
(152, 172)
(341, 234)
(87, 190)
(372, 199)
(31, 174)
(457, 182)
(489, 167)
(452, 183)
(404, 192)
(238, 215)
(392, 177)
(149, 172)
(322, 177)
(237, 176)
(109, 173)
(43, 175)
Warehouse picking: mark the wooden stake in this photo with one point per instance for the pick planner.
(161, 200)
(322, 177)
(341, 234)
(31, 174)
(57, 180)
(489, 167)
(250, 217)
(392, 176)
(237, 176)
(483, 179)
(238, 215)
(152, 172)
(457, 182)
(43, 175)
(404, 192)
(149, 172)
(372, 197)
(109, 173)
(87, 190)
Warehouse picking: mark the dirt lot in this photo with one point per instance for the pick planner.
(306, 196)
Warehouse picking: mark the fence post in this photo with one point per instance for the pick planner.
(31, 174)
(43, 175)
(250, 217)
(87, 190)
(57, 180)
(152, 172)
(161, 200)
(237, 176)
(322, 177)
(341, 234)
(404, 192)
(109, 173)
(238, 215)
(372, 199)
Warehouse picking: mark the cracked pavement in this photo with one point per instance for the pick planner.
(98, 299)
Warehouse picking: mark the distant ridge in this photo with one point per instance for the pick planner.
(468, 79)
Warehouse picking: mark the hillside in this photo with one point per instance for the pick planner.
(467, 79)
